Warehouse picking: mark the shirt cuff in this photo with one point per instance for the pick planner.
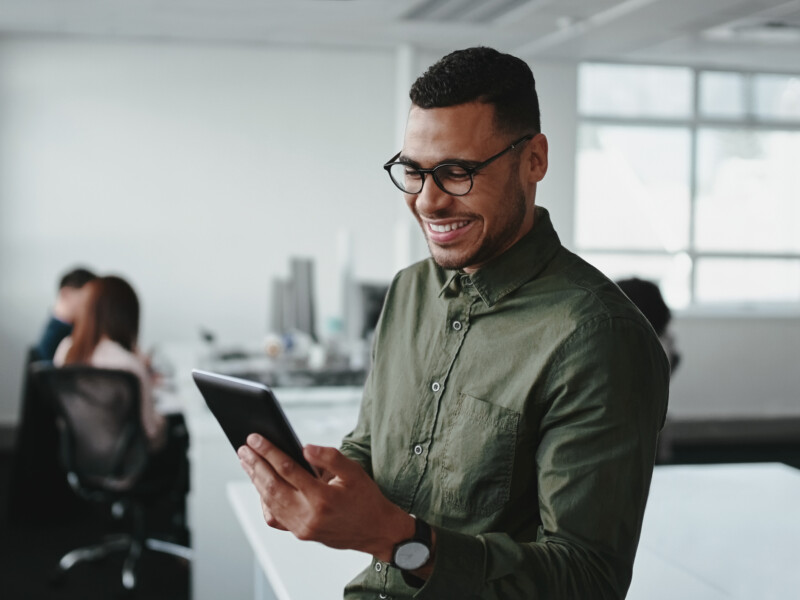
(458, 568)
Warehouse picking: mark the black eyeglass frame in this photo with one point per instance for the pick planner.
(470, 170)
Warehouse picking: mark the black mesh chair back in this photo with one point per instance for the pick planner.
(103, 444)
(38, 492)
(104, 449)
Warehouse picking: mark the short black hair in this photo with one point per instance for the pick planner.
(76, 278)
(485, 75)
(648, 299)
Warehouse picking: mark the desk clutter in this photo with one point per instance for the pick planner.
(295, 352)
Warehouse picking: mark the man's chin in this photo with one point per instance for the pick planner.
(448, 259)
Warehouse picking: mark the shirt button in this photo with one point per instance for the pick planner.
(457, 325)
(378, 567)
(417, 449)
(436, 386)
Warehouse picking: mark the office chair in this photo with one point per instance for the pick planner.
(37, 490)
(104, 450)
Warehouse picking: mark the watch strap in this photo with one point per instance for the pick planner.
(422, 532)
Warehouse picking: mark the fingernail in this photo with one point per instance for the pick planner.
(313, 450)
(254, 440)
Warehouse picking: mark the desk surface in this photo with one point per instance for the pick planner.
(710, 532)
(733, 527)
(295, 569)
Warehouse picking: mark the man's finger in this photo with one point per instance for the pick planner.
(269, 518)
(269, 484)
(333, 461)
(285, 467)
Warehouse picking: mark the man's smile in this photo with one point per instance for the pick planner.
(446, 231)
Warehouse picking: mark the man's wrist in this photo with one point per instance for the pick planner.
(401, 527)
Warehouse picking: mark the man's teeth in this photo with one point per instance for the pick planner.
(448, 227)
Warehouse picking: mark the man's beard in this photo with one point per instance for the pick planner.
(494, 244)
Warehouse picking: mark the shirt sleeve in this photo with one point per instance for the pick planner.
(60, 354)
(606, 399)
(357, 445)
(54, 332)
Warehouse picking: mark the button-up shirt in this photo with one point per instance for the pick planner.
(516, 410)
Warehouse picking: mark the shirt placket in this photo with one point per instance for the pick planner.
(450, 340)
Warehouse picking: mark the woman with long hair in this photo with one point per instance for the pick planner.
(105, 335)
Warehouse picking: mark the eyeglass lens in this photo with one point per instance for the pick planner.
(453, 179)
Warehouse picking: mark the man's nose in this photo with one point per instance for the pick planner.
(432, 198)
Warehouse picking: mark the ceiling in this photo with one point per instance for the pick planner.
(749, 34)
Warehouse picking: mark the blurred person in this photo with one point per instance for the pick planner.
(68, 301)
(37, 487)
(648, 299)
(105, 335)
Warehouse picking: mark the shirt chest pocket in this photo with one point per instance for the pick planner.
(478, 458)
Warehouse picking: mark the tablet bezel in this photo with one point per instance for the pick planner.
(242, 407)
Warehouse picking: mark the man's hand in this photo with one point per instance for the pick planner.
(343, 509)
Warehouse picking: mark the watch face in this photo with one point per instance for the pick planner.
(411, 555)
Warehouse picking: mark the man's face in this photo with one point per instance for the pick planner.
(70, 302)
(464, 232)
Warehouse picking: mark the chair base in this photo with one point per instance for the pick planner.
(119, 543)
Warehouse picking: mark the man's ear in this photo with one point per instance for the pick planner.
(536, 155)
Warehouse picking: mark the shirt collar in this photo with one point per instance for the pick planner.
(509, 271)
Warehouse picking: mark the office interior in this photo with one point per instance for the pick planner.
(200, 150)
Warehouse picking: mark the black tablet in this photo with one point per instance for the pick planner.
(243, 407)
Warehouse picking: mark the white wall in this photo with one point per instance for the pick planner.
(745, 366)
(556, 84)
(195, 171)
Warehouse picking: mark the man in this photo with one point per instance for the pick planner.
(508, 428)
(67, 304)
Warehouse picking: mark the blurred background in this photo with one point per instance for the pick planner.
(225, 157)
(197, 146)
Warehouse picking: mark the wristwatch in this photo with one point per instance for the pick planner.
(410, 555)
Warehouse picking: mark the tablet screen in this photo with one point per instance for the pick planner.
(243, 407)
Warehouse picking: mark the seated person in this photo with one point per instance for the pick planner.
(59, 326)
(105, 335)
(648, 299)
(37, 487)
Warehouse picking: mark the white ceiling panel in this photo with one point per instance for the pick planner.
(759, 34)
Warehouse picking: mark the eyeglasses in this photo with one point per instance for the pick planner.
(453, 178)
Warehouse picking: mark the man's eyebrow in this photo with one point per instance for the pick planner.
(446, 161)
(405, 159)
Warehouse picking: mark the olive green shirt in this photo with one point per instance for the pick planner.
(516, 410)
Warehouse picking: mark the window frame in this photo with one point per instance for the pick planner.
(694, 124)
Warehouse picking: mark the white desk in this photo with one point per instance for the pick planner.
(710, 533)
(735, 528)
(284, 567)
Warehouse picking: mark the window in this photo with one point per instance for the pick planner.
(690, 178)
